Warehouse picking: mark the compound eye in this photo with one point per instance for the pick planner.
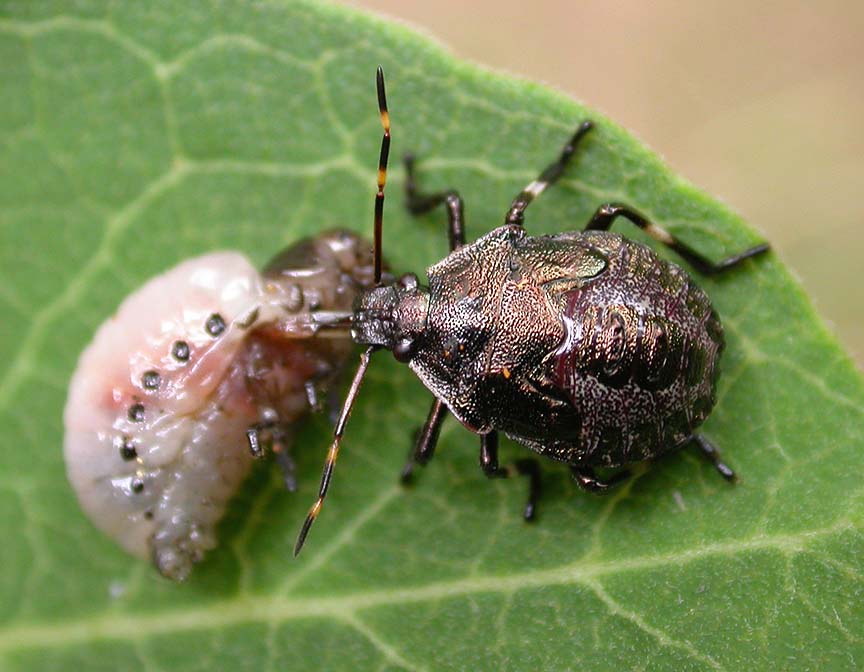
(403, 351)
(409, 282)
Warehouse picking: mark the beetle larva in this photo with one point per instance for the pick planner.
(196, 366)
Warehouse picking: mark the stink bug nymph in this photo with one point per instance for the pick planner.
(584, 346)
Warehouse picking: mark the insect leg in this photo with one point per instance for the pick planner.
(606, 214)
(523, 467)
(424, 447)
(419, 204)
(709, 450)
(273, 437)
(516, 213)
(321, 398)
(312, 396)
(257, 447)
(587, 480)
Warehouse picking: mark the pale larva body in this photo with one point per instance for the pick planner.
(162, 398)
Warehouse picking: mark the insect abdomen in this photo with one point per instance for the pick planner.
(639, 360)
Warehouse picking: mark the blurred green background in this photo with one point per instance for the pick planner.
(759, 104)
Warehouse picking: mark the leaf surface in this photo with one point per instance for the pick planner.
(134, 135)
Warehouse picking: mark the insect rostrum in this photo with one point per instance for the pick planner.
(584, 346)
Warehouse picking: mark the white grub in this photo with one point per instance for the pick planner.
(158, 480)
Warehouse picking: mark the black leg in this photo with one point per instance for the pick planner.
(587, 480)
(273, 437)
(424, 447)
(489, 454)
(419, 204)
(516, 213)
(312, 396)
(709, 450)
(257, 445)
(606, 214)
(524, 467)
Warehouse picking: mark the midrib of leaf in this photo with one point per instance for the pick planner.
(278, 609)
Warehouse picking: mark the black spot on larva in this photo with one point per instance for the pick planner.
(148, 515)
(127, 450)
(151, 380)
(180, 351)
(137, 485)
(136, 412)
(215, 325)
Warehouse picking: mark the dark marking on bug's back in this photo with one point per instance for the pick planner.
(714, 329)
(610, 441)
(696, 301)
(702, 407)
(614, 357)
(676, 428)
(696, 363)
(645, 438)
(609, 340)
(660, 349)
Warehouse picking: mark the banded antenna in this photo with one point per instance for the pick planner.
(348, 404)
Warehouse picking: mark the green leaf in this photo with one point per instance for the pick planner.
(134, 135)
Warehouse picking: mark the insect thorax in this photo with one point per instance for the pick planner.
(493, 320)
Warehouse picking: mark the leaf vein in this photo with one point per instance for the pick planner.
(270, 608)
(661, 636)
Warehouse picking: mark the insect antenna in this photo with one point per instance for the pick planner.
(333, 453)
(365, 358)
(382, 170)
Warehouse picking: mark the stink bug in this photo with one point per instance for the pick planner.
(584, 346)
